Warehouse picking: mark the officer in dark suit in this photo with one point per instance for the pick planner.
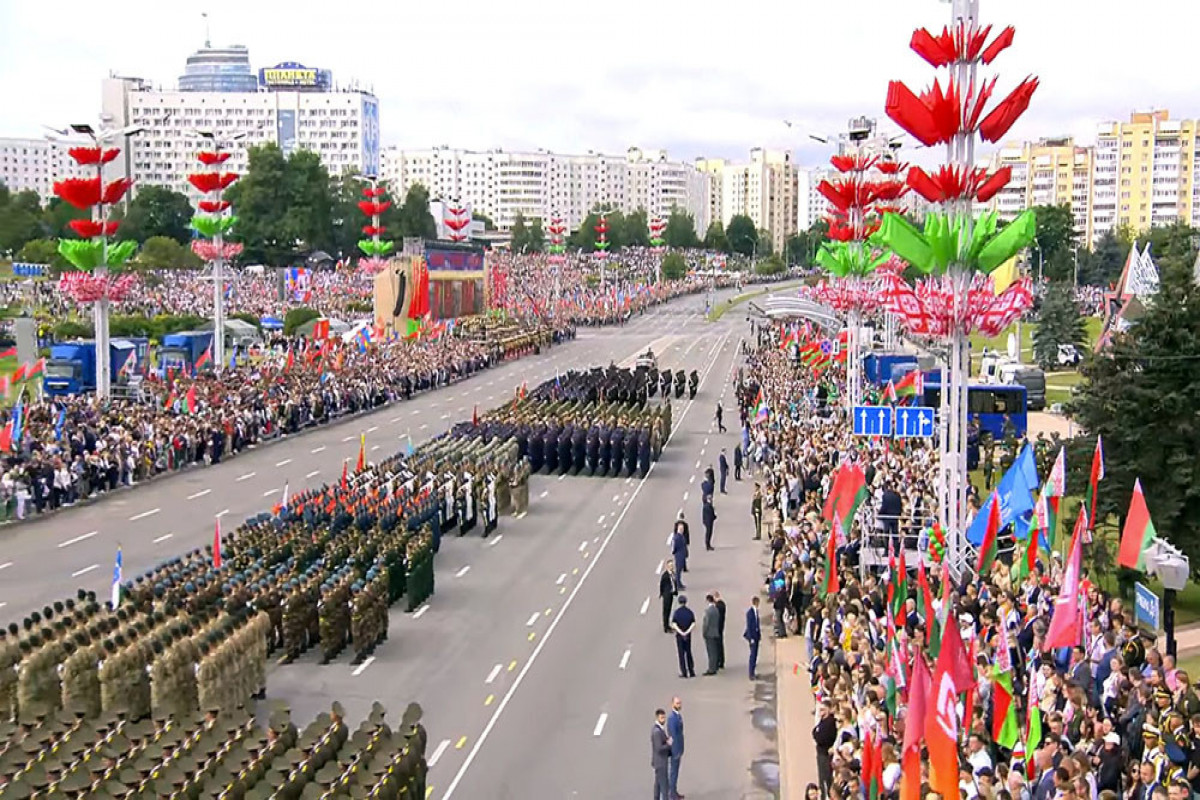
(618, 452)
(660, 754)
(753, 633)
(643, 454)
(667, 589)
(708, 515)
(631, 453)
(578, 450)
(605, 450)
(592, 457)
(565, 462)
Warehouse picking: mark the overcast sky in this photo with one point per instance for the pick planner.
(693, 78)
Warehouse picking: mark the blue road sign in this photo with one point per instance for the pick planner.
(914, 422)
(23, 269)
(1146, 608)
(872, 420)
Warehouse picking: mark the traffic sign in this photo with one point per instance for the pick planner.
(1146, 608)
(23, 269)
(914, 422)
(872, 420)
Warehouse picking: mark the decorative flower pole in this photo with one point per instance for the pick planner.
(92, 254)
(954, 250)
(657, 226)
(374, 248)
(557, 248)
(602, 244)
(212, 222)
(457, 219)
(865, 187)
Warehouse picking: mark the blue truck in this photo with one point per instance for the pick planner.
(879, 368)
(71, 368)
(183, 350)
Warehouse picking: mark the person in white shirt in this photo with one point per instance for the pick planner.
(977, 754)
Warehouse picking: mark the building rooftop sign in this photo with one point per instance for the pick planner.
(290, 75)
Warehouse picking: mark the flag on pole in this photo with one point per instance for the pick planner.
(1138, 533)
(1066, 625)
(989, 546)
(889, 394)
(205, 357)
(951, 676)
(1056, 484)
(914, 729)
(911, 385)
(345, 466)
(1097, 475)
(830, 585)
(116, 581)
(282, 505)
(1005, 728)
(216, 556)
(848, 492)
(362, 453)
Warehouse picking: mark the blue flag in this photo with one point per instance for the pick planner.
(58, 426)
(233, 356)
(1015, 491)
(116, 582)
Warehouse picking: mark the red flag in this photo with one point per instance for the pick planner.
(216, 557)
(291, 360)
(475, 417)
(6, 434)
(951, 676)
(989, 545)
(914, 728)
(345, 466)
(362, 453)
(1066, 626)
(204, 358)
(867, 765)
(1094, 479)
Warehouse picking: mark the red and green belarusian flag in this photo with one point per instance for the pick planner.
(889, 394)
(940, 618)
(848, 492)
(761, 412)
(898, 589)
(1033, 728)
(1089, 498)
(911, 385)
(1024, 565)
(1005, 728)
(189, 401)
(990, 544)
(924, 596)
(830, 584)
(1056, 483)
(790, 336)
(1045, 516)
(1138, 534)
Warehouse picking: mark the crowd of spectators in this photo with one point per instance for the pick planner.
(1113, 718)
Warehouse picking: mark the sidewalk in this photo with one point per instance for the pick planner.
(794, 711)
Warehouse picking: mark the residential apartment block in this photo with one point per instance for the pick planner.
(764, 189)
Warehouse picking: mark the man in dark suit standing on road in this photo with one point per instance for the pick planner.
(712, 635)
(824, 736)
(666, 592)
(723, 465)
(719, 602)
(683, 621)
(675, 729)
(737, 461)
(660, 755)
(753, 633)
(708, 515)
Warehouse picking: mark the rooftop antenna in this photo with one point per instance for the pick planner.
(207, 32)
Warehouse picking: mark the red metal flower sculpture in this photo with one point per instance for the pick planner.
(457, 219)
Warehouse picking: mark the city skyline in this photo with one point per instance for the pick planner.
(629, 75)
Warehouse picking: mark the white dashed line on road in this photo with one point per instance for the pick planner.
(463, 571)
(361, 668)
(6, 565)
(222, 512)
(269, 492)
(372, 429)
(445, 416)
(77, 539)
(706, 442)
(685, 496)
(246, 477)
(532, 619)
(601, 520)
(348, 438)
(658, 568)
(424, 425)
(418, 411)
(283, 463)
(420, 612)
(560, 477)
(561, 579)
(437, 753)
(698, 463)
(692, 479)
(616, 498)
(313, 474)
(599, 729)
(645, 607)
(144, 514)
(374, 447)
(583, 544)
(495, 541)
(624, 661)
(394, 420)
(163, 538)
(495, 671)
(316, 450)
(84, 571)
(200, 493)
(543, 494)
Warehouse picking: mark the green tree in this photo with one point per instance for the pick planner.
(536, 236)
(715, 238)
(771, 265)
(584, 237)
(674, 267)
(680, 230)
(766, 243)
(163, 252)
(1141, 395)
(1171, 245)
(1059, 323)
(1102, 265)
(41, 251)
(20, 220)
(1055, 237)
(519, 234)
(57, 214)
(415, 218)
(345, 217)
(295, 317)
(636, 231)
(157, 211)
(743, 236)
(261, 200)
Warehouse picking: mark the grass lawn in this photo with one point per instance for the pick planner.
(1092, 326)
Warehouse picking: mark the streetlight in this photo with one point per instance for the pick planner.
(101, 308)
(218, 142)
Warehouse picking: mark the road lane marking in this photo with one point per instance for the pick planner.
(270, 492)
(283, 463)
(144, 514)
(460, 744)
(247, 476)
(560, 477)
(706, 442)
(361, 668)
(624, 661)
(532, 636)
(692, 479)
(437, 754)
(549, 611)
(313, 474)
(418, 411)
(222, 512)
(560, 580)
(658, 567)
(698, 463)
(445, 416)
(599, 729)
(532, 619)
(491, 698)
(495, 541)
(374, 447)
(316, 450)
(200, 493)
(495, 671)
(601, 520)
(348, 438)
(702, 451)
(420, 612)
(372, 429)
(583, 544)
(543, 494)
(6, 565)
(512, 665)
(463, 571)
(163, 538)
(84, 571)
(616, 497)
(516, 684)
(2, 605)
(394, 420)
(645, 605)
(685, 496)
(77, 539)
(585, 555)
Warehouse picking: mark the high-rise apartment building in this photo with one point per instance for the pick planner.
(764, 189)
(35, 164)
(542, 185)
(1048, 172)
